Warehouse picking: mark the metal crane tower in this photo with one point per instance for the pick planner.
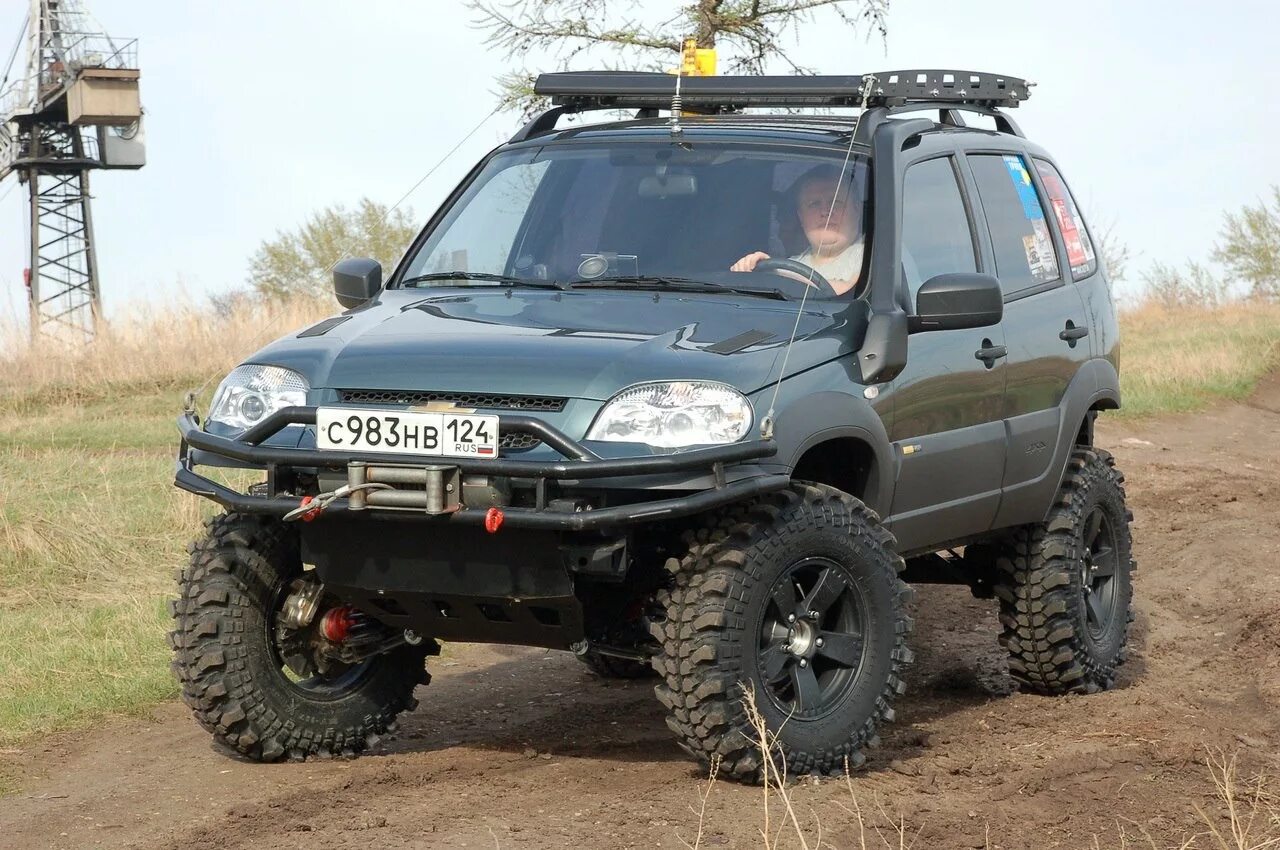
(75, 109)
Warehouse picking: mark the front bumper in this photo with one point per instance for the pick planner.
(577, 469)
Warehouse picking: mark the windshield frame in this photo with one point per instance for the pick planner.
(531, 150)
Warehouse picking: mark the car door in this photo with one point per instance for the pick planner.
(1046, 326)
(948, 403)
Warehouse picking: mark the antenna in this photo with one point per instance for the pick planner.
(75, 109)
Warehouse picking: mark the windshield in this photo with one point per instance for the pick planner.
(649, 215)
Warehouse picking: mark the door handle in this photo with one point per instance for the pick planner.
(989, 353)
(1072, 333)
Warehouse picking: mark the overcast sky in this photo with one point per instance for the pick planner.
(258, 113)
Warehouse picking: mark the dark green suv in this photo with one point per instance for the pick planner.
(694, 395)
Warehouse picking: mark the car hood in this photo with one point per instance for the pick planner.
(587, 344)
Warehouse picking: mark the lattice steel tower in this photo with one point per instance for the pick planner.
(75, 109)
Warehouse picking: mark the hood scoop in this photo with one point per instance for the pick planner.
(322, 328)
(741, 342)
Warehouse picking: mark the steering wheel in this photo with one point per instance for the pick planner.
(794, 269)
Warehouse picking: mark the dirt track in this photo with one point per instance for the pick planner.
(521, 748)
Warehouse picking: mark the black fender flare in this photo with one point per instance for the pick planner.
(1097, 380)
(819, 417)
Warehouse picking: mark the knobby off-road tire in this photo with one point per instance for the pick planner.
(1065, 586)
(612, 667)
(747, 571)
(230, 674)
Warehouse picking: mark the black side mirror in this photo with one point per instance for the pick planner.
(356, 280)
(951, 302)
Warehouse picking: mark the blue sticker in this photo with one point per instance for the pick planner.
(1026, 190)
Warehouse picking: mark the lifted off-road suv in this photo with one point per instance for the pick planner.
(695, 395)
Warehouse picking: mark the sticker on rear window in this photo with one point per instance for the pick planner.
(1080, 254)
(1038, 244)
(1026, 190)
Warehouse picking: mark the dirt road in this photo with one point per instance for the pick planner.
(521, 748)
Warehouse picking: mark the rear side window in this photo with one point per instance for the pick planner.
(936, 238)
(1025, 256)
(1075, 237)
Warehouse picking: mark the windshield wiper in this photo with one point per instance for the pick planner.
(500, 279)
(673, 284)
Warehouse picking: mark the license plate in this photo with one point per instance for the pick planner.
(407, 432)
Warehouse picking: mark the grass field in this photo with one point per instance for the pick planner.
(1181, 360)
(91, 529)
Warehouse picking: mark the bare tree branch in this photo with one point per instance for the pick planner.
(749, 33)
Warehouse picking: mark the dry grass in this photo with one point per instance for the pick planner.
(91, 527)
(167, 348)
(1180, 359)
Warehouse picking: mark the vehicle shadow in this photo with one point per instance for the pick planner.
(545, 704)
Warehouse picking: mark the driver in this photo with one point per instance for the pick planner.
(835, 245)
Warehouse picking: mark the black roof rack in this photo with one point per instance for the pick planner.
(579, 91)
(646, 89)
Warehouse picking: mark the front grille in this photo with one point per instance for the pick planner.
(487, 401)
(517, 441)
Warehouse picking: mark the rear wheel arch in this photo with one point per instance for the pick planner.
(1084, 434)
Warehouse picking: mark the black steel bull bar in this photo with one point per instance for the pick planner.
(578, 464)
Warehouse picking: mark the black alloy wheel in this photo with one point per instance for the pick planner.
(1099, 565)
(793, 601)
(297, 652)
(811, 639)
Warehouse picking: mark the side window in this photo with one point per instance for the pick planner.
(936, 237)
(1024, 251)
(1080, 254)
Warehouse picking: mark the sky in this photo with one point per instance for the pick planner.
(260, 113)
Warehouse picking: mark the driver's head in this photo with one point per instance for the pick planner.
(829, 226)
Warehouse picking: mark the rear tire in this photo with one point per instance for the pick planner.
(796, 596)
(1065, 585)
(231, 674)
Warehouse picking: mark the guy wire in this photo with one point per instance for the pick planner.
(346, 252)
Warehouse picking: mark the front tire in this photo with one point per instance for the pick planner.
(232, 674)
(796, 596)
(1065, 585)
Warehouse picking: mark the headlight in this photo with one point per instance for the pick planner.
(252, 393)
(675, 414)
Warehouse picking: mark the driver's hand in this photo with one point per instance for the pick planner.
(748, 263)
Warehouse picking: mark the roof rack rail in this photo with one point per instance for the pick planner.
(580, 91)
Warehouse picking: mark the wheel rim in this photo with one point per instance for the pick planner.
(1098, 571)
(334, 685)
(812, 638)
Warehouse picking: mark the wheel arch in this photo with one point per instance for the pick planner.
(1095, 387)
(843, 429)
(844, 460)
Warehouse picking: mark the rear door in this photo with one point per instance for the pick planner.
(1046, 327)
(948, 404)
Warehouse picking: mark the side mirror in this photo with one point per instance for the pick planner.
(951, 302)
(356, 280)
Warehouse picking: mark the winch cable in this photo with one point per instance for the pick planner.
(766, 426)
(273, 324)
